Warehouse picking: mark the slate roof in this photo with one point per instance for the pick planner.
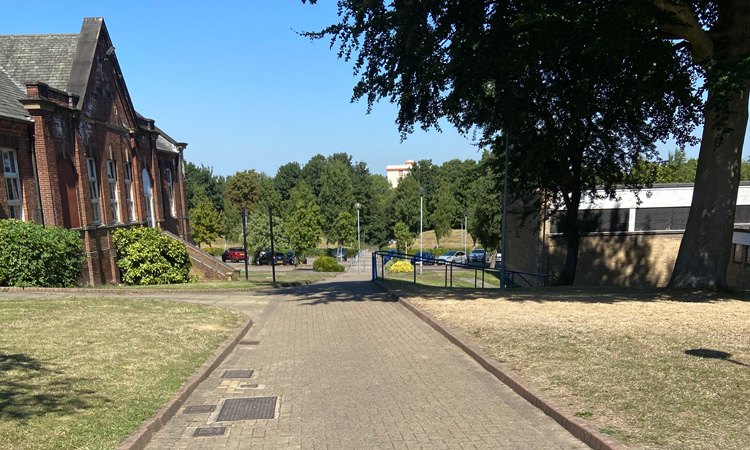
(10, 92)
(39, 57)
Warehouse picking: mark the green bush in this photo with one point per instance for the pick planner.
(214, 251)
(146, 256)
(327, 264)
(401, 267)
(32, 255)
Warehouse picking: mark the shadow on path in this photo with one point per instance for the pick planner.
(335, 290)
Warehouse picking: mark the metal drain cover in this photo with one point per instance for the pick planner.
(248, 409)
(197, 409)
(237, 374)
(210, 431)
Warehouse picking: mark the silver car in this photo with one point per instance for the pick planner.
(454, 256)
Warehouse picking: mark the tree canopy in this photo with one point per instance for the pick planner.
(587, 87)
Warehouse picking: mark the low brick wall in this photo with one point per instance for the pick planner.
(643, 259)
(207, 267)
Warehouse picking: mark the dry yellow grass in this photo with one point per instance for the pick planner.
(624, 360)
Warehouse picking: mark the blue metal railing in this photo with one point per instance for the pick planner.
(513, 279)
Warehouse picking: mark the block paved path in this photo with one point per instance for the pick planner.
(352, 369)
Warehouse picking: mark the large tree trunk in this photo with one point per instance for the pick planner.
(706, 245)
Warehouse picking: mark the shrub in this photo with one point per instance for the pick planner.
(214, 251)
(401, 267)
(146, 256)
(32, 255)
(327, 264)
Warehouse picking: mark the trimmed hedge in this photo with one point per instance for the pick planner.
(401, 267)
(327, 264)
(149, 257)
(32, 255)
(214, 251)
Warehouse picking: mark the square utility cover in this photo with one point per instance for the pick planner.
(237, 374)
(248, 409)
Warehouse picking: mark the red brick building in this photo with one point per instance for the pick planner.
(75, 153)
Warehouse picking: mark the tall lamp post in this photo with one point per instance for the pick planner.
(359, 246)
(421, 198)
(466, 233)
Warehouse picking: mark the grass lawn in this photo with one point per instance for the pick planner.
(652, 369)
(85, 373)
(255, 279)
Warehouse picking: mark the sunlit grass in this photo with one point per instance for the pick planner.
(621, 359)
(85, 373)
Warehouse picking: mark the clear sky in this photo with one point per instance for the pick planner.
(234, 81)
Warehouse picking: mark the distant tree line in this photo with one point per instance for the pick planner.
(316, 203)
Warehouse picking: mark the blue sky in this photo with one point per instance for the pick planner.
(236, 82)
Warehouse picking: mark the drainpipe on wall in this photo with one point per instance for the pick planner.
(32, 148)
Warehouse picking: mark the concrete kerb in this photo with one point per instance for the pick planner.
(582, 432)
(112, 291)
(143, 435)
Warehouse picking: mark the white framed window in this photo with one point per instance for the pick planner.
(94, 188)
(12, 184)
(129, 191)
(113, 199)
(170, 190)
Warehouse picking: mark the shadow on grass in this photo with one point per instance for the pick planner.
(578, 294)
(30, 389)
(713, 354)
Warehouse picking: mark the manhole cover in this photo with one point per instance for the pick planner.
(210, 431)
(237, 374)
(197, 409)
(248, 409)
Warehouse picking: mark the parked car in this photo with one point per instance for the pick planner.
(425, 257)
(478, 255)
(499, 257)
(452, 256)
(234, 254)
(339, 253)
(391, 253)
(280, 259)
(292, 258)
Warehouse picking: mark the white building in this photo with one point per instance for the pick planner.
(396, 172)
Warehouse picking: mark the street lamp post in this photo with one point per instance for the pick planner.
(421, 198)
(466, 233)
(359, 246)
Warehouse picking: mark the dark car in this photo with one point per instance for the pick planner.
(280, 259)
(339, 253)
(425, 257)
(391, 253)
(478, 255)
(233, 254)
(292, 258)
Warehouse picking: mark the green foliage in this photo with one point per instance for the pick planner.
(259, 232)
(214, 251)
(205, 223)
(287, 178)
(327, 264)
(202, 184)
(146, 256)
(303, 225)
(404, 237)
(401, 267)
(443, 212)
(745, 170)
(312, 173)
(242, 190)
(32, 255)
(344, 229)
(336, 196)
(485, 223)
(405, 203)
